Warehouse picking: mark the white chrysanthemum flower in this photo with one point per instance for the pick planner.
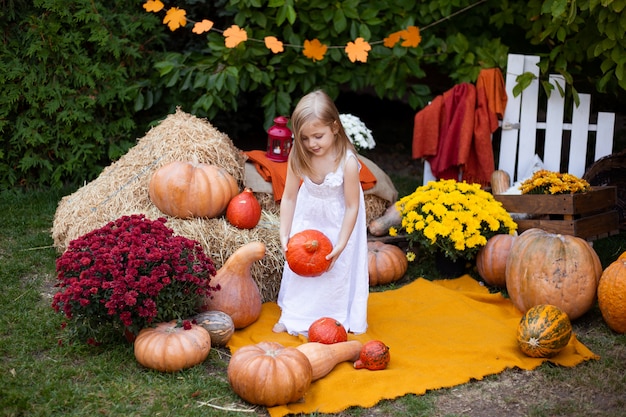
(360, 136)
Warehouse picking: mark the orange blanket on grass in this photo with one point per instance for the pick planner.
(276, 172)
(440, 334)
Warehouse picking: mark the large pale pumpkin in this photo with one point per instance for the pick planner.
(612, 295)
(547, 268)
(543, 331)
(190, 189)
(239, 294)
(386, 263)
(306, 253)
(491, 259)
(168, 347)
(269, 374)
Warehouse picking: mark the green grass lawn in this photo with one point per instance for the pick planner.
(41, 374)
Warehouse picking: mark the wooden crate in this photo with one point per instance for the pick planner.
(591, 215)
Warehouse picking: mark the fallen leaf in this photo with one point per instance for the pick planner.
(175, 18)
(153, 6)
(234, 36)
(411, 37)
(314, 49)
(201, 27)
(273, 44)
(357, 50)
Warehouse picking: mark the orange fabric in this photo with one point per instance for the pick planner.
(454, 132)
(440, 334)
(276, 173)
(491, 80)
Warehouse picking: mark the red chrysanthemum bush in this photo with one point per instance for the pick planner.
(128, 274)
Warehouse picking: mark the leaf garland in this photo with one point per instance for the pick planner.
(312, 49)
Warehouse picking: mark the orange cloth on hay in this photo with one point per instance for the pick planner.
(454, 132)
(276, 173)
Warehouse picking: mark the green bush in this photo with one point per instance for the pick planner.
(70, 74)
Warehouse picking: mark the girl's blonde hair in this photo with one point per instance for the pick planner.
(315, 106)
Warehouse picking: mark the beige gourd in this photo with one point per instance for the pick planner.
(391, 217)
(324, 358)
(239, 294)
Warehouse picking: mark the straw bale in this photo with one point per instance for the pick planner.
(122, 189)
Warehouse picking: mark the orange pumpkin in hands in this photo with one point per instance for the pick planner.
(306, 253)
(327, 330)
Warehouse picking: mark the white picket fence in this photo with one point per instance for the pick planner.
(521, 127)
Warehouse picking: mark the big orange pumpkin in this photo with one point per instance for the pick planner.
(386, 263)
(612, 295)
(306, 253)
(168, 347)
(244, 210)
(190, 189)
(491, 259)
(548, 268)
(269, 374)
(543, 331)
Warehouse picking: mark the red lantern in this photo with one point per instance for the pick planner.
(279, 140)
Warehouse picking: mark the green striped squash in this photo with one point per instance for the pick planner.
(219, 325)
(543, 331)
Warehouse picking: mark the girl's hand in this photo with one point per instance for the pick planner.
(332, 256)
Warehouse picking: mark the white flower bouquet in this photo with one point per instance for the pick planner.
(360, 136)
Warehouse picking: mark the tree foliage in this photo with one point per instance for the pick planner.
(80, 78)
(69, 72)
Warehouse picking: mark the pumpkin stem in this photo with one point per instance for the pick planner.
(311, 246)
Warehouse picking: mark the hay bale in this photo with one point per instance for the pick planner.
(122, 189)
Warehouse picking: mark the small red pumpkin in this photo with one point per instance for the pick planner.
(306, 253)
(328, 331)
(543, 331)
(244, 210)
(374, 356)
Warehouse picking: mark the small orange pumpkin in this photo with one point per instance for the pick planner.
(612, 293)
(269, 374)
(191, 189)
(491, 259)
(306, 253)
(374, 356)
(168, 347)
(327, 330)
(244, 210)
(386, 263)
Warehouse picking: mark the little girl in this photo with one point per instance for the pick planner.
(323, 192)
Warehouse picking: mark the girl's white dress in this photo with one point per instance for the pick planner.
(341, 292)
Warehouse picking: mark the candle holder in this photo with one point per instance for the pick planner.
(279, 140)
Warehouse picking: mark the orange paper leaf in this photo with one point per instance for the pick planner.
(153, 6)
(201, 27)
(234, 36)
(357, 50)
(411, 37)
(314, 50)
(273, 44)
(175, 18)
(392, 39)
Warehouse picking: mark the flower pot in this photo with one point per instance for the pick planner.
(449, 268)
